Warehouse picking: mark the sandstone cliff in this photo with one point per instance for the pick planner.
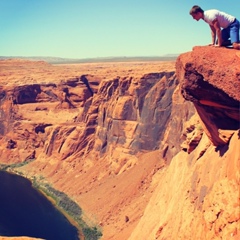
(198, 193)
(142, 161)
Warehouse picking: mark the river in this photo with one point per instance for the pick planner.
(24, 211)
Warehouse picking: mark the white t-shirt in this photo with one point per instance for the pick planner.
(223, 18)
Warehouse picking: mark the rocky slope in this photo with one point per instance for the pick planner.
(147, 152)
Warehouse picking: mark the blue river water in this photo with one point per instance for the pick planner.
(24, 211)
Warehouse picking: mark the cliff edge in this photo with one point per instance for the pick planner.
(197, 196)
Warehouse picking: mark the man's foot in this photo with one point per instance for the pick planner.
(236, 46)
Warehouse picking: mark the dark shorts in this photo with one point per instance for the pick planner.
(232, 32)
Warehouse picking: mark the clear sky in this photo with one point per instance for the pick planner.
(103, 28)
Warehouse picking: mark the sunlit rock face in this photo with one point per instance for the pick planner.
(134, 112)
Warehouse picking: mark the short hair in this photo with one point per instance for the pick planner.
(196, 9)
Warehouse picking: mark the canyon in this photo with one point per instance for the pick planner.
(148, 150)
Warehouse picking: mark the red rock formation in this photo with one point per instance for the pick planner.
(211, 80)
(141, 161)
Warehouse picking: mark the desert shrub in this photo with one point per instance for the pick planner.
(5, 167)
(91, 233)
(64, 202)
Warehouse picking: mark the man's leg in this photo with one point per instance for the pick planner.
(226, 37)
(226, 43)
(234, 34)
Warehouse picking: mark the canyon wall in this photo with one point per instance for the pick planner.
(197, 196)
(150, 154)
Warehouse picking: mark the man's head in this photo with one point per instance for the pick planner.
(196, 12)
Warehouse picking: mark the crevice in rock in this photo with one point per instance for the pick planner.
(84, 79)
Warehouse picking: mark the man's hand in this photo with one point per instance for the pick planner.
(213, 45)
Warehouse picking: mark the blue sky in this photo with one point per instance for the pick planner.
(103, 28)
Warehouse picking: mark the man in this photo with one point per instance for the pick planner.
(223, 26)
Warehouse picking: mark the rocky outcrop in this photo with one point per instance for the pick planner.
(212, 84)
(24, 113)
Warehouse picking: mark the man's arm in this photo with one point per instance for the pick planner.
(213, 34)
(217, 31)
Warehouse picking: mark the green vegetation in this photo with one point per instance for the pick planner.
(60, 198)
(6, 167)
(91, 233)
(199, 127)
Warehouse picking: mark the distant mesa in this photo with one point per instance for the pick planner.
(58, 60)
